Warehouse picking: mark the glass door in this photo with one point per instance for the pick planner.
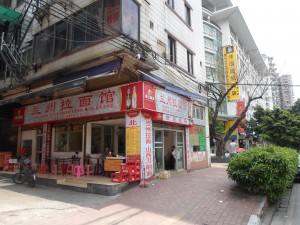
(158, 150)
(179, 164)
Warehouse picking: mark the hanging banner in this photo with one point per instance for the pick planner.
(240, 105)
(231, 69)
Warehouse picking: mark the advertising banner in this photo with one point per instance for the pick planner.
(147, 145)
(231, 69)
(240, 108)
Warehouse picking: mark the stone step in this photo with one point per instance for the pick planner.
(73, 182)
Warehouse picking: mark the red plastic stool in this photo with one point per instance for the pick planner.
(88, 170)
(56, 169)
(43, 168)
(78, 171)
(70, 169)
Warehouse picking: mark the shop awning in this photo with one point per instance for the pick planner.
(171, 87)
(48, 91)
(9, 15)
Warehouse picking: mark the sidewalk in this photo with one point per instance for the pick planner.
(204, 197)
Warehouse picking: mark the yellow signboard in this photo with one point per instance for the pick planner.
(133, 141)
(231, 70)
(229, 124)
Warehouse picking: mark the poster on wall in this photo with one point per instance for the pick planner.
(133, 135)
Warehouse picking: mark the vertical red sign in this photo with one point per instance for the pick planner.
(240, 107)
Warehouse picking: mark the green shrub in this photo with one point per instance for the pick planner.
(268, 170)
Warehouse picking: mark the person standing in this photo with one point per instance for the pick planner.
(232, 148)
(103, 156)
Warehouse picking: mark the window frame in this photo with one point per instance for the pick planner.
(190, 62)
(171, 49)
(187, 14)
(170, 3)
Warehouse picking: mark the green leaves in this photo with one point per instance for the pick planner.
(268, 170)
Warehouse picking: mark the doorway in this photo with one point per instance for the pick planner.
(164, 139)
(28, 141)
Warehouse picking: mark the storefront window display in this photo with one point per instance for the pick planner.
(68, 138)
(197, 138)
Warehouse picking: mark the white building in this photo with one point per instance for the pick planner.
(224, 26)
(122, 73)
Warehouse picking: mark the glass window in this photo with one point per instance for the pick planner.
(96, 139)
(171, 50)
(60, 38)
(190, 62)
(79, 29)
(112, 13)
(101, 136)
(130, 19)
(68, 138)
(198, 113)
(171, 3)
(48, 43)
(187, 14)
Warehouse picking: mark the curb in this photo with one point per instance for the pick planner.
(256, 219)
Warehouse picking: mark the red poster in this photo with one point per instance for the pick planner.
(149, 96)
(240, 107)
(19, 116)
(132, 96)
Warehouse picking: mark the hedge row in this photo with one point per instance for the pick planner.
(268, 170)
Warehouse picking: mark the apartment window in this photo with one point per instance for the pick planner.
(198, 112)
(190, 63)
(130, 20)
(187, 14)
(171, 3)
(87, 28)
(172, 49)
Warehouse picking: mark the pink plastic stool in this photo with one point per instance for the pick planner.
(78, 171)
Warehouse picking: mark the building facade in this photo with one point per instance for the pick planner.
(118, 73)
(286, 91)
(232, 56)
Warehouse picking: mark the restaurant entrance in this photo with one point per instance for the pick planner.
(164, 139)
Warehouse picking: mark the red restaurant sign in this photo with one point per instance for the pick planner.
(138, 95)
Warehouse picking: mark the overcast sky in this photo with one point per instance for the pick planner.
(275, 28)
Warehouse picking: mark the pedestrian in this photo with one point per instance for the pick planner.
(103, 156)
(232, 148)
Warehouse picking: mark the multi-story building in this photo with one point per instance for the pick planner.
(229, 42)
(122, 73)
(286, 91)
(275, 101)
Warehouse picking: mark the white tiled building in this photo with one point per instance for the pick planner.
(144, 59)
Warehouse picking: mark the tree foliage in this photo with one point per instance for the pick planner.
(296, 107)
(280, 127)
